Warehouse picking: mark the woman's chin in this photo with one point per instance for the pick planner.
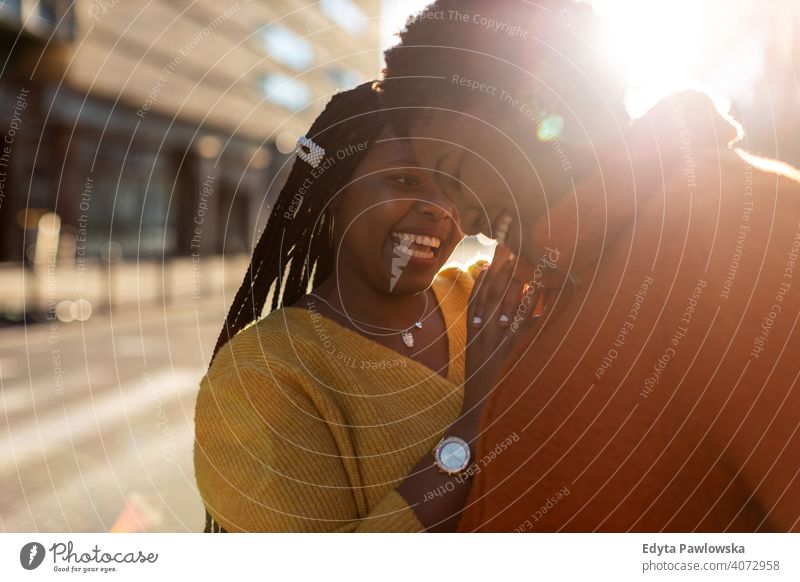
(410, 283)
(408, 275)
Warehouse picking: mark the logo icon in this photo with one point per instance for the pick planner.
(402, 254)
(31, 555)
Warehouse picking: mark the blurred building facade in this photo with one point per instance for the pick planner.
(160, 129)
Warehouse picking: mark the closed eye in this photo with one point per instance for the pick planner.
(453, 189)
(405, 179)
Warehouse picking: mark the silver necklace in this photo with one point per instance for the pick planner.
(405, 334)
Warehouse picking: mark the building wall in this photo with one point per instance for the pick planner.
(143, 118)
(204, 59)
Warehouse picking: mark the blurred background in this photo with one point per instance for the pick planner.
(142, 146)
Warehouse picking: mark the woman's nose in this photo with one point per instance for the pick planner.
(438, 206)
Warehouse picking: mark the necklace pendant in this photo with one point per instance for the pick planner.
(418, 325)
(408, 339)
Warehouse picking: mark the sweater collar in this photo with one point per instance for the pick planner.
(452, 294)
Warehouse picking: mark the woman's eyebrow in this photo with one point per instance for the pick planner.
(442, 176)
(404, 161)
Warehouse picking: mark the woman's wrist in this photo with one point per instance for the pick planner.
(467, 423)
(436, 498)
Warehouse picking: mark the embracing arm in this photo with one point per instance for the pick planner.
(273, 454)
(267, 460)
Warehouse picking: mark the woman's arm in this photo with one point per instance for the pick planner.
(438, 500)
(266, 460)
(270, 454)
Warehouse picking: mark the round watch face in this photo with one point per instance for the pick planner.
(453, 455)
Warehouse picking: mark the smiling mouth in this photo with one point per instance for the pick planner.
(501, 228)
(418, 246)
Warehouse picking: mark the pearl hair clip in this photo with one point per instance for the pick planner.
(309, 152)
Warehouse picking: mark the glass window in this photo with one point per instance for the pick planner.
(346, 14)
(287, 48)
(13, 6)
(48, 12)
(285, 91)
(344, 78)
(129, 201)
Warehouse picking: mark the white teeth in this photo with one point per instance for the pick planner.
(501, 229)
(411, 252)
(501, 234)
(422, 240)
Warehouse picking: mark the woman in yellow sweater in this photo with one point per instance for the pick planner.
(330, 413)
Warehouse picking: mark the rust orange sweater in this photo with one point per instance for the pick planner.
(663, 394)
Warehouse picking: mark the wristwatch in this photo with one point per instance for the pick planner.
(452, 455)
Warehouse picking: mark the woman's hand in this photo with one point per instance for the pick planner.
(499, 290)
(501, 310)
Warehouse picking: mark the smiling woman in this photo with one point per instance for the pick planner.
(324, 414)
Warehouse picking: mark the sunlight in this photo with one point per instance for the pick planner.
(662, 46)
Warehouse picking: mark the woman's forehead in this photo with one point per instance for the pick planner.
(389, 148)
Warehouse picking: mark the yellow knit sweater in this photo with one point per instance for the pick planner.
(303, 425)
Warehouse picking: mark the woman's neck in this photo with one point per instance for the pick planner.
(357, 300)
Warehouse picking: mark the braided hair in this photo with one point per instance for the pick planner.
(298, 239)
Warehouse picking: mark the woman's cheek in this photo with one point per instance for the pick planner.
(390, 210)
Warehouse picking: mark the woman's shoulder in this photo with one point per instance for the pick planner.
(273, 341)
(459, 275)
(453, 285)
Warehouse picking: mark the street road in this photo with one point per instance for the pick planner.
(96, 420)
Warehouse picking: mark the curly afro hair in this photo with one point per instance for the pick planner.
(503, 43)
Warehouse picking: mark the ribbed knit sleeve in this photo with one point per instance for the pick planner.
(272, 455)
